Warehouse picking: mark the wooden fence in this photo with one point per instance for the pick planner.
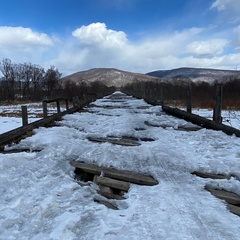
(17, 134)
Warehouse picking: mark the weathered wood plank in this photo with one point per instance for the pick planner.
(210, 175)
(201, 121)
(113, 183)
(229, 197)
(106, 203)
(234, 209)
(127, 176)
(123, 142)
(107, 192)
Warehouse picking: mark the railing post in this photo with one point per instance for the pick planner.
(58, 105)
(162, 95)
(24, 116)
(67, 107)
(44, 103)
(218, 103)
(189, 99)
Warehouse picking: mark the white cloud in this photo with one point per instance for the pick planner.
(95, 46)
(19, 37)
(102, 47)
(25, 45)
(97, 34)
(210, 47)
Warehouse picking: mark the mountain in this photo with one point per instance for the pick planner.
(197, 74)
(118, 78)
(108, 76)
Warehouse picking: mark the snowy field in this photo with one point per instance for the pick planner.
(10, 115)
(41, 200)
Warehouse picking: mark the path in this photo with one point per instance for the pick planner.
(180, 197)
(177, 208)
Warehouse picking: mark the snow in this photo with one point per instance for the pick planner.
(10, 123)
(229, 117)
(41, 200)
(9, 114)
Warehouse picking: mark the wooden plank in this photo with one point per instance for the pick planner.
(229, 197)
(127, 176)
(54, 100)
(210, 175)
(201, 121)
(113, 183)
(107, 192)
(234, 209)
(123, 142)
(106, 203)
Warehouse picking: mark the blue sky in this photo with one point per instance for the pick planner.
(132, 35)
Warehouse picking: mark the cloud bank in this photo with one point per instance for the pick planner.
(23, 44)
(95, 45)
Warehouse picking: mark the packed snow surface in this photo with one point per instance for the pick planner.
(41, 200)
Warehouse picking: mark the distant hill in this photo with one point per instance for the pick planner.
(112, 77)
(108, 76)
(196, 74)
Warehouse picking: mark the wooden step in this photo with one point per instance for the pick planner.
(229, 197)
(123, 175)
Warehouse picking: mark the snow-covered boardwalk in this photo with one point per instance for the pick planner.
(39, 198)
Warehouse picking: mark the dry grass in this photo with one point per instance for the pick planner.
(204, 104)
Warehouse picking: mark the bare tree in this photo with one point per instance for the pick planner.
(51, 78)
(9, 75)
(37, 81)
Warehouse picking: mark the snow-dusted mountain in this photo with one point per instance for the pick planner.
(197, 74)
(108, 76)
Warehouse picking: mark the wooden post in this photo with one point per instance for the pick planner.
(58, 106)
(44, 109)
(24, 116)
(162, 95)
(189, 99)
(218, 103)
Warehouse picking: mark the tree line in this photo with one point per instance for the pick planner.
(30, 82)
(174, 92)
(26, 81)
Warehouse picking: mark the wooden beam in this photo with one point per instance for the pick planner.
(234, 209)
(113, 183)
(127, 176)
(201, 121)
(106, 203)
(123, 142)
(107, 192)
(210, 175)
(229, 197)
